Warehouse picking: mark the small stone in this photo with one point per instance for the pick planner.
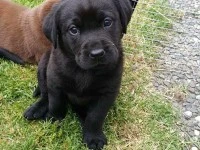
(198, 97)
(181, 76)
(188, 106)
(192, 90)
(195, 123)
(196, 92)
(185, 104)
(196, 103)
(198, 88)
(190, 100)
(194, 148)
(194, 109)
(196, 132)
(174, 78)
(192, 84)
(188, 81)
(167, 83)
(193, 95)
(191, 125)
(188, 76)
(197, 118)
(188, 114)
(161, 76)
(199, 125)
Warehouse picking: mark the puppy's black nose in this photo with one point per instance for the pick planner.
(97, 53)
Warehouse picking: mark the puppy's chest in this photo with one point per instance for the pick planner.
(81, 89)
(78, 83)
(83, 82)
(77, 99)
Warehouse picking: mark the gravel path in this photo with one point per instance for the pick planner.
(178, 75)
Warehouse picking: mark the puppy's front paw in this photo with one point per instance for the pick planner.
(95, 142)
(37, 111)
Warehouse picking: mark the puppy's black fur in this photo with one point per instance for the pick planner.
(85, 66)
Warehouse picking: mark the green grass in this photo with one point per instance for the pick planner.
(140, 120)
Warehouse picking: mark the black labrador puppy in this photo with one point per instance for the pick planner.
(84, 67)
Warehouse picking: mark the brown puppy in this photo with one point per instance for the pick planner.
(21, 30)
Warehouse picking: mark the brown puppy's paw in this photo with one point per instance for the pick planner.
(95, 142)
(37, 111)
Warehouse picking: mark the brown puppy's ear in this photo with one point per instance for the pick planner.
(50, 28)
(125, 9)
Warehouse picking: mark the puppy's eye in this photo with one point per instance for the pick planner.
(107, 22)
(73, 30)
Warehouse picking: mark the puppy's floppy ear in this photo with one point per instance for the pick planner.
(125, 9)
(50, 28)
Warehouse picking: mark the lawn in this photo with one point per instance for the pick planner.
(141, 119)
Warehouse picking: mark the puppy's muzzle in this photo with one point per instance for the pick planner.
(97, 54)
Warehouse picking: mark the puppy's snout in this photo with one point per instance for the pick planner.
(97, 53)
